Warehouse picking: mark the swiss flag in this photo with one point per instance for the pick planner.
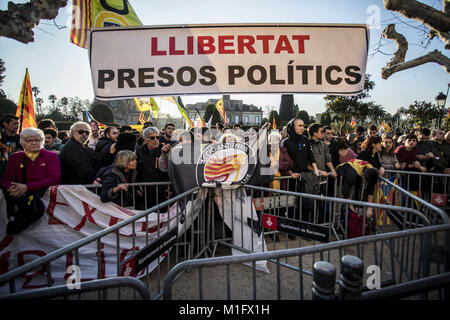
(438, 199)
(269, 222)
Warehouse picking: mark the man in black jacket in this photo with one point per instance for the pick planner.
(76, 158)
(148, 167)
(105, 148)
(300, 151)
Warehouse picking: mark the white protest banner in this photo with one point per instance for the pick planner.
(73, 212)
(207, 59)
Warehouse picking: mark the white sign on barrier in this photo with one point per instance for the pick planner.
(206, 59)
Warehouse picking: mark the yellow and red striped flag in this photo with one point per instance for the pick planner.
(221, 108)
(25, 109)
(142, 118)
(274, 124)
(217, 168)
(353, 122)
(87, 14)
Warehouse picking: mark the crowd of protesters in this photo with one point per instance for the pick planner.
(116, 157)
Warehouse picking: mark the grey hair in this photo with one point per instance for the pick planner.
(124, 157)
(149, 130)
(32, 132)
(75, 126)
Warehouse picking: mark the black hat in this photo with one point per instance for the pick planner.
(126, 141)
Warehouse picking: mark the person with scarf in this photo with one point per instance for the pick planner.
(28, 175)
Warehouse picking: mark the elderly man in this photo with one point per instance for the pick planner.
(148, 167)
(77, 159)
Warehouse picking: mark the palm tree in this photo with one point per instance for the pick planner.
(52, 99)
(36, 92)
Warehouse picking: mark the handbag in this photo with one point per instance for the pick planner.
(24, 210)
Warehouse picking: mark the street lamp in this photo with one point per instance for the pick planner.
(441, 99)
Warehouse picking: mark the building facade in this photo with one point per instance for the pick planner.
(236, 111)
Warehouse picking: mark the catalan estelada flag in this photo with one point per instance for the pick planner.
(142, 118)
(274, 124)
(353, 122)
(25, 109)
(221, 108)
(87, 14)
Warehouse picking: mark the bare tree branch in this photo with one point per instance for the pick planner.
(402, 45)
(435, 19)
(18, 21)
(434, 56)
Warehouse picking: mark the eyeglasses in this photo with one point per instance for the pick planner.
(153, 138)
(33, 141)
(84, 132)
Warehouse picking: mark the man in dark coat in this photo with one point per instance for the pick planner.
(104, 149)
(148, 167)
(76, 158)
(300, 151)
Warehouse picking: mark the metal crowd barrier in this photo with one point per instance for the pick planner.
(389, 260)
(85, 287)
(190, 245)
(329, 216)
(429, 186)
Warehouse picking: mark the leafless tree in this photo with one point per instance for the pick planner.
(437, 22)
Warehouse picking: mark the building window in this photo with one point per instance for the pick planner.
(245, 119)
(257, 119)
(236, 119)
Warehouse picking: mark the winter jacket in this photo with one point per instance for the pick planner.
(41, 173)
(103, 155)
(111, 179)
(77, 163)
(321, 153)
(299, 150)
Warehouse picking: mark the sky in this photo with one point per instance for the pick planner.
(61, 68)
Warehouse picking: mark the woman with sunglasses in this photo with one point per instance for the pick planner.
(77, 159)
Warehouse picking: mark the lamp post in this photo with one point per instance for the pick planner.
(441, 99)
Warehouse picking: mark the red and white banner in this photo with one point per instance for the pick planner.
(74, 212)
(217, 59)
